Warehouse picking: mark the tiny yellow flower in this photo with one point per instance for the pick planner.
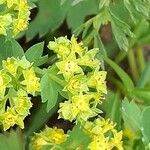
(61, 46)
(77, 84)
(22, 105)
(81, 107)
(24, 63)
(69, 68)
(50, 136)
(102, 125)
(21, 22)
(104, 135)
(97, 80)
(19, 25)
(65, 110)
(5, 22)
(10, 118)
(89, 59)
(10, 65)
(78, 107)
(116, 140)
(4, 81)
(77, 47)
(99, 143)
(38, 142)
(31, 81)
(55, 136)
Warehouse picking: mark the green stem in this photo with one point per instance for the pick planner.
(52, 60)
(119, 85)
(121, 56)
(121, 88)
(40, 71)
(58, 80)
(52, 76)
(140, 58)
(133, 65)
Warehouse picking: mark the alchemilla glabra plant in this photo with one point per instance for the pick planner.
(85, 86)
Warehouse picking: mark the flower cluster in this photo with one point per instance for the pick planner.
(14, 16)
(49, 137)
(85, 83)
(86, 87)
(17, 80)
(103, 134)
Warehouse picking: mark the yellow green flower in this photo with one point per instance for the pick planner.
(61, 46)
(4, 81)
(5, 22)
(50, 136)
(77, 47)
(77, 84)
(24, 63)
(55, 136)
(116, 140)
(10, 65)
(89, 59)
(99, 143)
(21, 22)
(22, 104)
(65, 111)
(78, 107)
(81, 107)
(103, 134)
(69, 68)
(97, 80)
(38, 142)
(10, 118)
(31, 81)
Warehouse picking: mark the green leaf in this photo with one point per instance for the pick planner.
(9, 48)
(76, 15)
(121, 73)
(34, 54)
(138, 6)
(142, 95)
(75, 2)
(120, 30)
(48, 19)
(51, 84)
(11, 141)
(146, 125)
(77, 139)
(50, 16)
(131, 115)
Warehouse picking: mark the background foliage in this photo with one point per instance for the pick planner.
(121, 30)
